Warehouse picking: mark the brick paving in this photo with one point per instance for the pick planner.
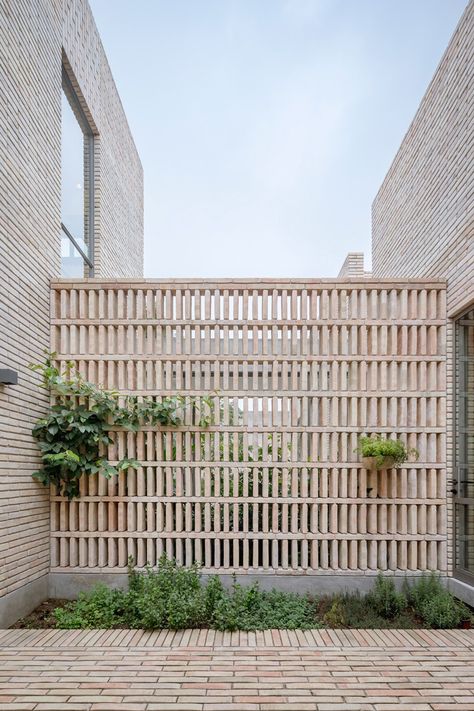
(205, 670)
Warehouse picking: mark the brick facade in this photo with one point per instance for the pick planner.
(118, 173)
(353, 266)
(423, 214)
(33, 37)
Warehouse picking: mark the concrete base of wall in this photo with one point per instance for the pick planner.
(22, 601)
(462, 590)
(67, 586)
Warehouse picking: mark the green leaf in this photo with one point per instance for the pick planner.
(128, 464)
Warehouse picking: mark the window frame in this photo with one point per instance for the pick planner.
(89, 154)
(461, 461)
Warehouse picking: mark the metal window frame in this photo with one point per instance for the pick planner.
(76, 245)
(460, 458)
(89, 143)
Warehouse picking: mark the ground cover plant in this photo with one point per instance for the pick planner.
(174, 597)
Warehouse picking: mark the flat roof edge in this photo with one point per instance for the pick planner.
(130, 283)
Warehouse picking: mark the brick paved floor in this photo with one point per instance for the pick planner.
(203, 670)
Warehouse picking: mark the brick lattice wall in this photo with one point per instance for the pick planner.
(297, 371)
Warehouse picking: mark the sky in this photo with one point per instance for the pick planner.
(265, 127)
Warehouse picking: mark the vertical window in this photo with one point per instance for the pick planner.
(77, 187)
(464, 481)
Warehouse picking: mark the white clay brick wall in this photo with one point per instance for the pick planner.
(118, 174)
(32, 34)
(423, 214)
(353, 266)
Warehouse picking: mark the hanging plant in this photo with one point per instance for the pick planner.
(75, 433)
(380, 453)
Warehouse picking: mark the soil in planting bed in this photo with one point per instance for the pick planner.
(42, 617)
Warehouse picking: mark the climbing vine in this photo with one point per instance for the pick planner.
(76, 432)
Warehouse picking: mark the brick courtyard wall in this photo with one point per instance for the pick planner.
(33, 34)
(297, 371)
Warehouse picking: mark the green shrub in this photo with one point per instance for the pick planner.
(214, 595)
(442, 611)
(425, 587)
(173, 597)
(226, 614)
(283, 610)
(249, 608)
(170, 596)
(381, 448)
(385, 599)
(435, 604)
(102, 608)
(336, 615)
(357, 611)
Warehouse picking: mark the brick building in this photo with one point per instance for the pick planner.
(423, 226)
(71, 204)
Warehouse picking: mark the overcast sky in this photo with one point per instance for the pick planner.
(265, 127)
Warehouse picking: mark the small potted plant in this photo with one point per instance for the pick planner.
(380, 453)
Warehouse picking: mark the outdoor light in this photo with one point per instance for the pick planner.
(8, 377)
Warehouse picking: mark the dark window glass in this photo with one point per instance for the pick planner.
(76, 187)
(464, 437)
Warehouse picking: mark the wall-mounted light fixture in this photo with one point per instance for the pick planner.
(8, 377)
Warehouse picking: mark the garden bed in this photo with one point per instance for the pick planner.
(173, 597)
